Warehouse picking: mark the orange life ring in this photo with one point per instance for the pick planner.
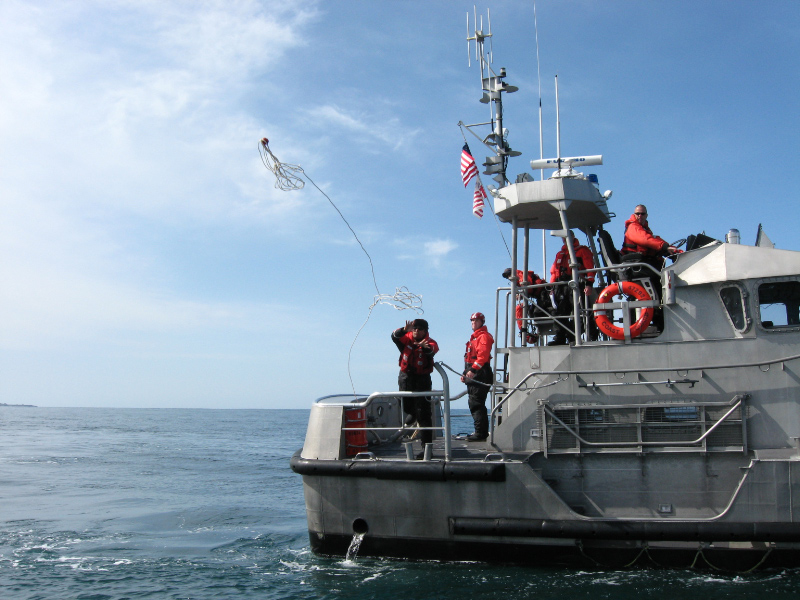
(627, 288)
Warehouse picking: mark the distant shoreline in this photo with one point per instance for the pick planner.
(19, 405)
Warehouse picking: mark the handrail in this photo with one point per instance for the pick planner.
(578, 312)
(525, 379)
(373, 396)
(708, 432)
(757, 363)
(615, 267)
(444, 394)
(667, 382)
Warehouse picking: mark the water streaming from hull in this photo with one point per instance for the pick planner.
(355, 544)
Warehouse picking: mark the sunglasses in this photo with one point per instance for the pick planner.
(640, 214)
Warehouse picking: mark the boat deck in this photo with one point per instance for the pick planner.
(460, 449)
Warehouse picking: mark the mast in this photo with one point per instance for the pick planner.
(493, 86)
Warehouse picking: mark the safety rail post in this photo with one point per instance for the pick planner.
(574, 266)
(525, 252)
(512, 333)
(448, 451)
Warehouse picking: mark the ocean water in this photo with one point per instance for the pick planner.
(102, 504)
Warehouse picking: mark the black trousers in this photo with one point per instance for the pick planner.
(477, 399)
(565, 309)
(419, 408)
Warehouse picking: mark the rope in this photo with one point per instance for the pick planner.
(402, 299)
(579, 545)
(638, 556)
(287, 178)
(759, 563)
(700, 554)
(285, 174)
(472, 381)
(750, 570)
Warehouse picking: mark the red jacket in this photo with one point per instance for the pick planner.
(479, 350)
(531, 279)
(413, 357)
(561, 263)
(639, 238)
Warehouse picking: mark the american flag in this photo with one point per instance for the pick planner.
(468, 168)
(477, 199)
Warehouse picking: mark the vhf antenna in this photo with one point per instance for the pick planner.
(493, 86)
(563, 166)
(479, 37)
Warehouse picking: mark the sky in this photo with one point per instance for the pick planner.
(147, 260)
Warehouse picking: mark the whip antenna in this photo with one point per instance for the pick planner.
(541, 134)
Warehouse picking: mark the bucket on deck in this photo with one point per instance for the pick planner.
(355, 441)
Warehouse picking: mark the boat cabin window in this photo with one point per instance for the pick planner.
(779, 304)
(734, 304)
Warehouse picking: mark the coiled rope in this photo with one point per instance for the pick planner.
(285, 178)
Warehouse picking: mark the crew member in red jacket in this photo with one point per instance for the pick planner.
(478, 375)
(561, 271)
(417, 349)
(639, 238)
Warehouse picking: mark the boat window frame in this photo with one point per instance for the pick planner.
(757, 301)
(744, 295)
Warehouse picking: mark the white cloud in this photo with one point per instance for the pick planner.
(366, 126)
(149, 98)
(431, 252)
(437, 250)
(114, 110)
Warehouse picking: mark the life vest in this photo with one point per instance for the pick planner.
(414, 360)
(561, 271)
(479, 349)
(531, 279)
(640, 239)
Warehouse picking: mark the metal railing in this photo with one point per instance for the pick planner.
(546, 316)
(565, 374)
(363, 401)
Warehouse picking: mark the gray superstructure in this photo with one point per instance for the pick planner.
(673, 446)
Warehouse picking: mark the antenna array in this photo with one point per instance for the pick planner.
(493, 86)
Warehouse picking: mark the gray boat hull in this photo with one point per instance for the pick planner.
(411, 509)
